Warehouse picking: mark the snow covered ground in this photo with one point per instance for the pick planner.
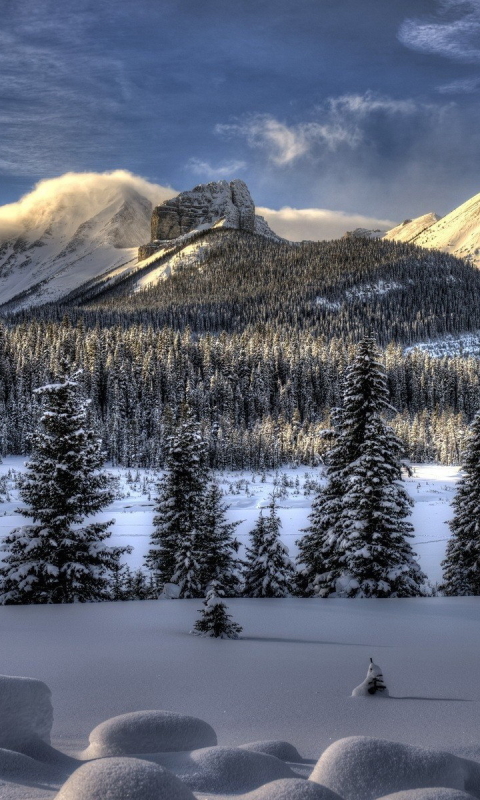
(289, 676)
(431, 486)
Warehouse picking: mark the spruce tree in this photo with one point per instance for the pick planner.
(220, 548)
(461, 567)
(214, 620)
(359, 523)
(58, 558)
(179, 504)
(268, 570)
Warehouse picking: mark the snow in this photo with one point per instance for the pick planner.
(365, 768)
(282, 750)
(148, 732)
(291, 789)
(224, 770)
(25, 712)
(411, 229)
(428, 794)
(123, 779)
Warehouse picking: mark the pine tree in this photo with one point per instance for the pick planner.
(219, 562)
(57, 558)
(461, 567)
(179, 505)
(214, 620)
(359, 523)
(268, 571)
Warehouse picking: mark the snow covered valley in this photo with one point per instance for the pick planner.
(289, 677)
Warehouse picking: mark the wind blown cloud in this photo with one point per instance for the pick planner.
(453, 33)
(317, 224)
(211, 172)
(75, 195)
(337, 123)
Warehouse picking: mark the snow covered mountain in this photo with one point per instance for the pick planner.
(458, 233)
(410, 229)
(69, 230)
(81, 229)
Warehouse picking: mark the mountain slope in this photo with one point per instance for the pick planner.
(69, 230)
(457, 233)
(411, 229)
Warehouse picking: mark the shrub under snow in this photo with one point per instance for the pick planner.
(364, 768)
(149, 732)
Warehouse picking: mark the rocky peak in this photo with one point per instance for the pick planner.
(204, 206)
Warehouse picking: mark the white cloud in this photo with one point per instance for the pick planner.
(206, 170)
(453, 33)
(462, 86)
(337, 122)
(297, 224)
(76, 193)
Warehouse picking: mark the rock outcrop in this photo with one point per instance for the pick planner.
(204, 206)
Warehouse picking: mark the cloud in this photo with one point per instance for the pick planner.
(74, 195)
(206, 170)
(337, 123)
(453, 33)
(463, 86)
(297, 224)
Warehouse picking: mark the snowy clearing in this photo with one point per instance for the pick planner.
(431, 486)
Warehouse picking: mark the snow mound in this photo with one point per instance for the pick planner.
(26, 712)
(293, 789)
(148, 732)
(19, 768)
(282, 750)
(122, 778)
(364, 768)
(225, 769)
(429, 794)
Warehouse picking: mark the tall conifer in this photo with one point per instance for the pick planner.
(461, 567)
(58, 558)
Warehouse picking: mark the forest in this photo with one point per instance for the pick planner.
(256, 338)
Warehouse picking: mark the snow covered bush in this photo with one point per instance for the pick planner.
(373, 683)
(363, 768)
(149, 732)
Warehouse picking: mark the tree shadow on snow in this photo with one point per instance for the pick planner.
(436, 699)
(308, 641)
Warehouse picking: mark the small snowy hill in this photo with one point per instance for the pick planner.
(69, 230)
(410, 229)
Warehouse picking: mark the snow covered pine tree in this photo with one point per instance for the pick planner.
(461, 568)
(214, 620)
(357, 543)
(268, 571)
(58, 559)
(176, 552)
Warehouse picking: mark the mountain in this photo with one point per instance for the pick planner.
(93, 232)
(410, 229)
(458, 233)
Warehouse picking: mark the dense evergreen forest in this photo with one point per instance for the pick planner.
(256, 338)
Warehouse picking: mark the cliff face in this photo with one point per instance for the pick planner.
(204, 206)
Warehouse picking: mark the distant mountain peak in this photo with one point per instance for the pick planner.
(410, 229)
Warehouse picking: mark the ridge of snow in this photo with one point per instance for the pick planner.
(410, 229)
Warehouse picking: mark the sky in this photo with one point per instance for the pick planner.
(359, 110)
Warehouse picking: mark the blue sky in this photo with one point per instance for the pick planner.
(361, 106)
